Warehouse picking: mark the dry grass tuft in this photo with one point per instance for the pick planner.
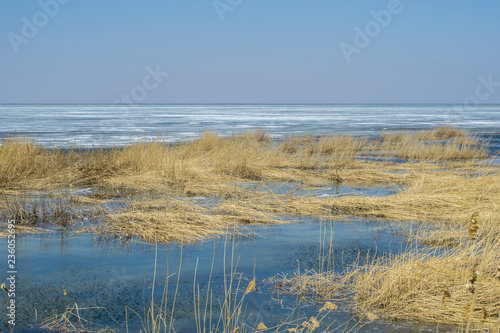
(170, 219)
(452, 150)
(473, 225)
(438, 133)
(35, 213)
(417, 286)
(432, 288)
(163, 221)
(23, 163)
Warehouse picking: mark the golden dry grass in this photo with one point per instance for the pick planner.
(24, 162)
(180, 220)
(213, 166)
(452, 144)
(445, 201)
(454, 150)
(415, 286)
(438, 133)
(31, 213)
(160, 167)
(429, 197)
(162, 221)
(433, 288)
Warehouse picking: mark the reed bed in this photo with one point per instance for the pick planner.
(155, 166)
(453, 150)
(443, 186)
(35, 212)
(24, 164)
(444, 199)
(433, 197)
(423, 286)
(434, 288)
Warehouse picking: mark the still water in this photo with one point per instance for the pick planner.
(116, 275)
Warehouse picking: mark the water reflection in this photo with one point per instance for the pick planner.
(115, 275)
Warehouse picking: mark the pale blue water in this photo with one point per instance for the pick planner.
(115, 276)
(105, 125)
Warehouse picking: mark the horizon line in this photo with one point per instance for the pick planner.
(258, 103)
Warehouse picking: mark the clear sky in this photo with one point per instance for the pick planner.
(249, 51)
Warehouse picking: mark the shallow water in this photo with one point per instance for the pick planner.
(334, 190)
(115, 275)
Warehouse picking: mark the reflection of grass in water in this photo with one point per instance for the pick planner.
(458, 286)
(72, 320)
(211, 313)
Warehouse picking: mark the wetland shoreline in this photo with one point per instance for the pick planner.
(187, 192)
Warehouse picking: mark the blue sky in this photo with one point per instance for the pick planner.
(263, 51)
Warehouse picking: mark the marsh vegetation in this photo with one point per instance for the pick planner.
(446, 204)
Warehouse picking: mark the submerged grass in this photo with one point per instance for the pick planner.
(39, 215)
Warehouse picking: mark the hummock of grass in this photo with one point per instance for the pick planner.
(438, 133)
(453, 287)
(24, 163)
(429, 197)
(180, 220)
(432, 288)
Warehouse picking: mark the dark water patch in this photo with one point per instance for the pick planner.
(115, 276)
(493, 142)
(387, 159)
(332, 190)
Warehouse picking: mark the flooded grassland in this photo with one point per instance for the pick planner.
(246, 233)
